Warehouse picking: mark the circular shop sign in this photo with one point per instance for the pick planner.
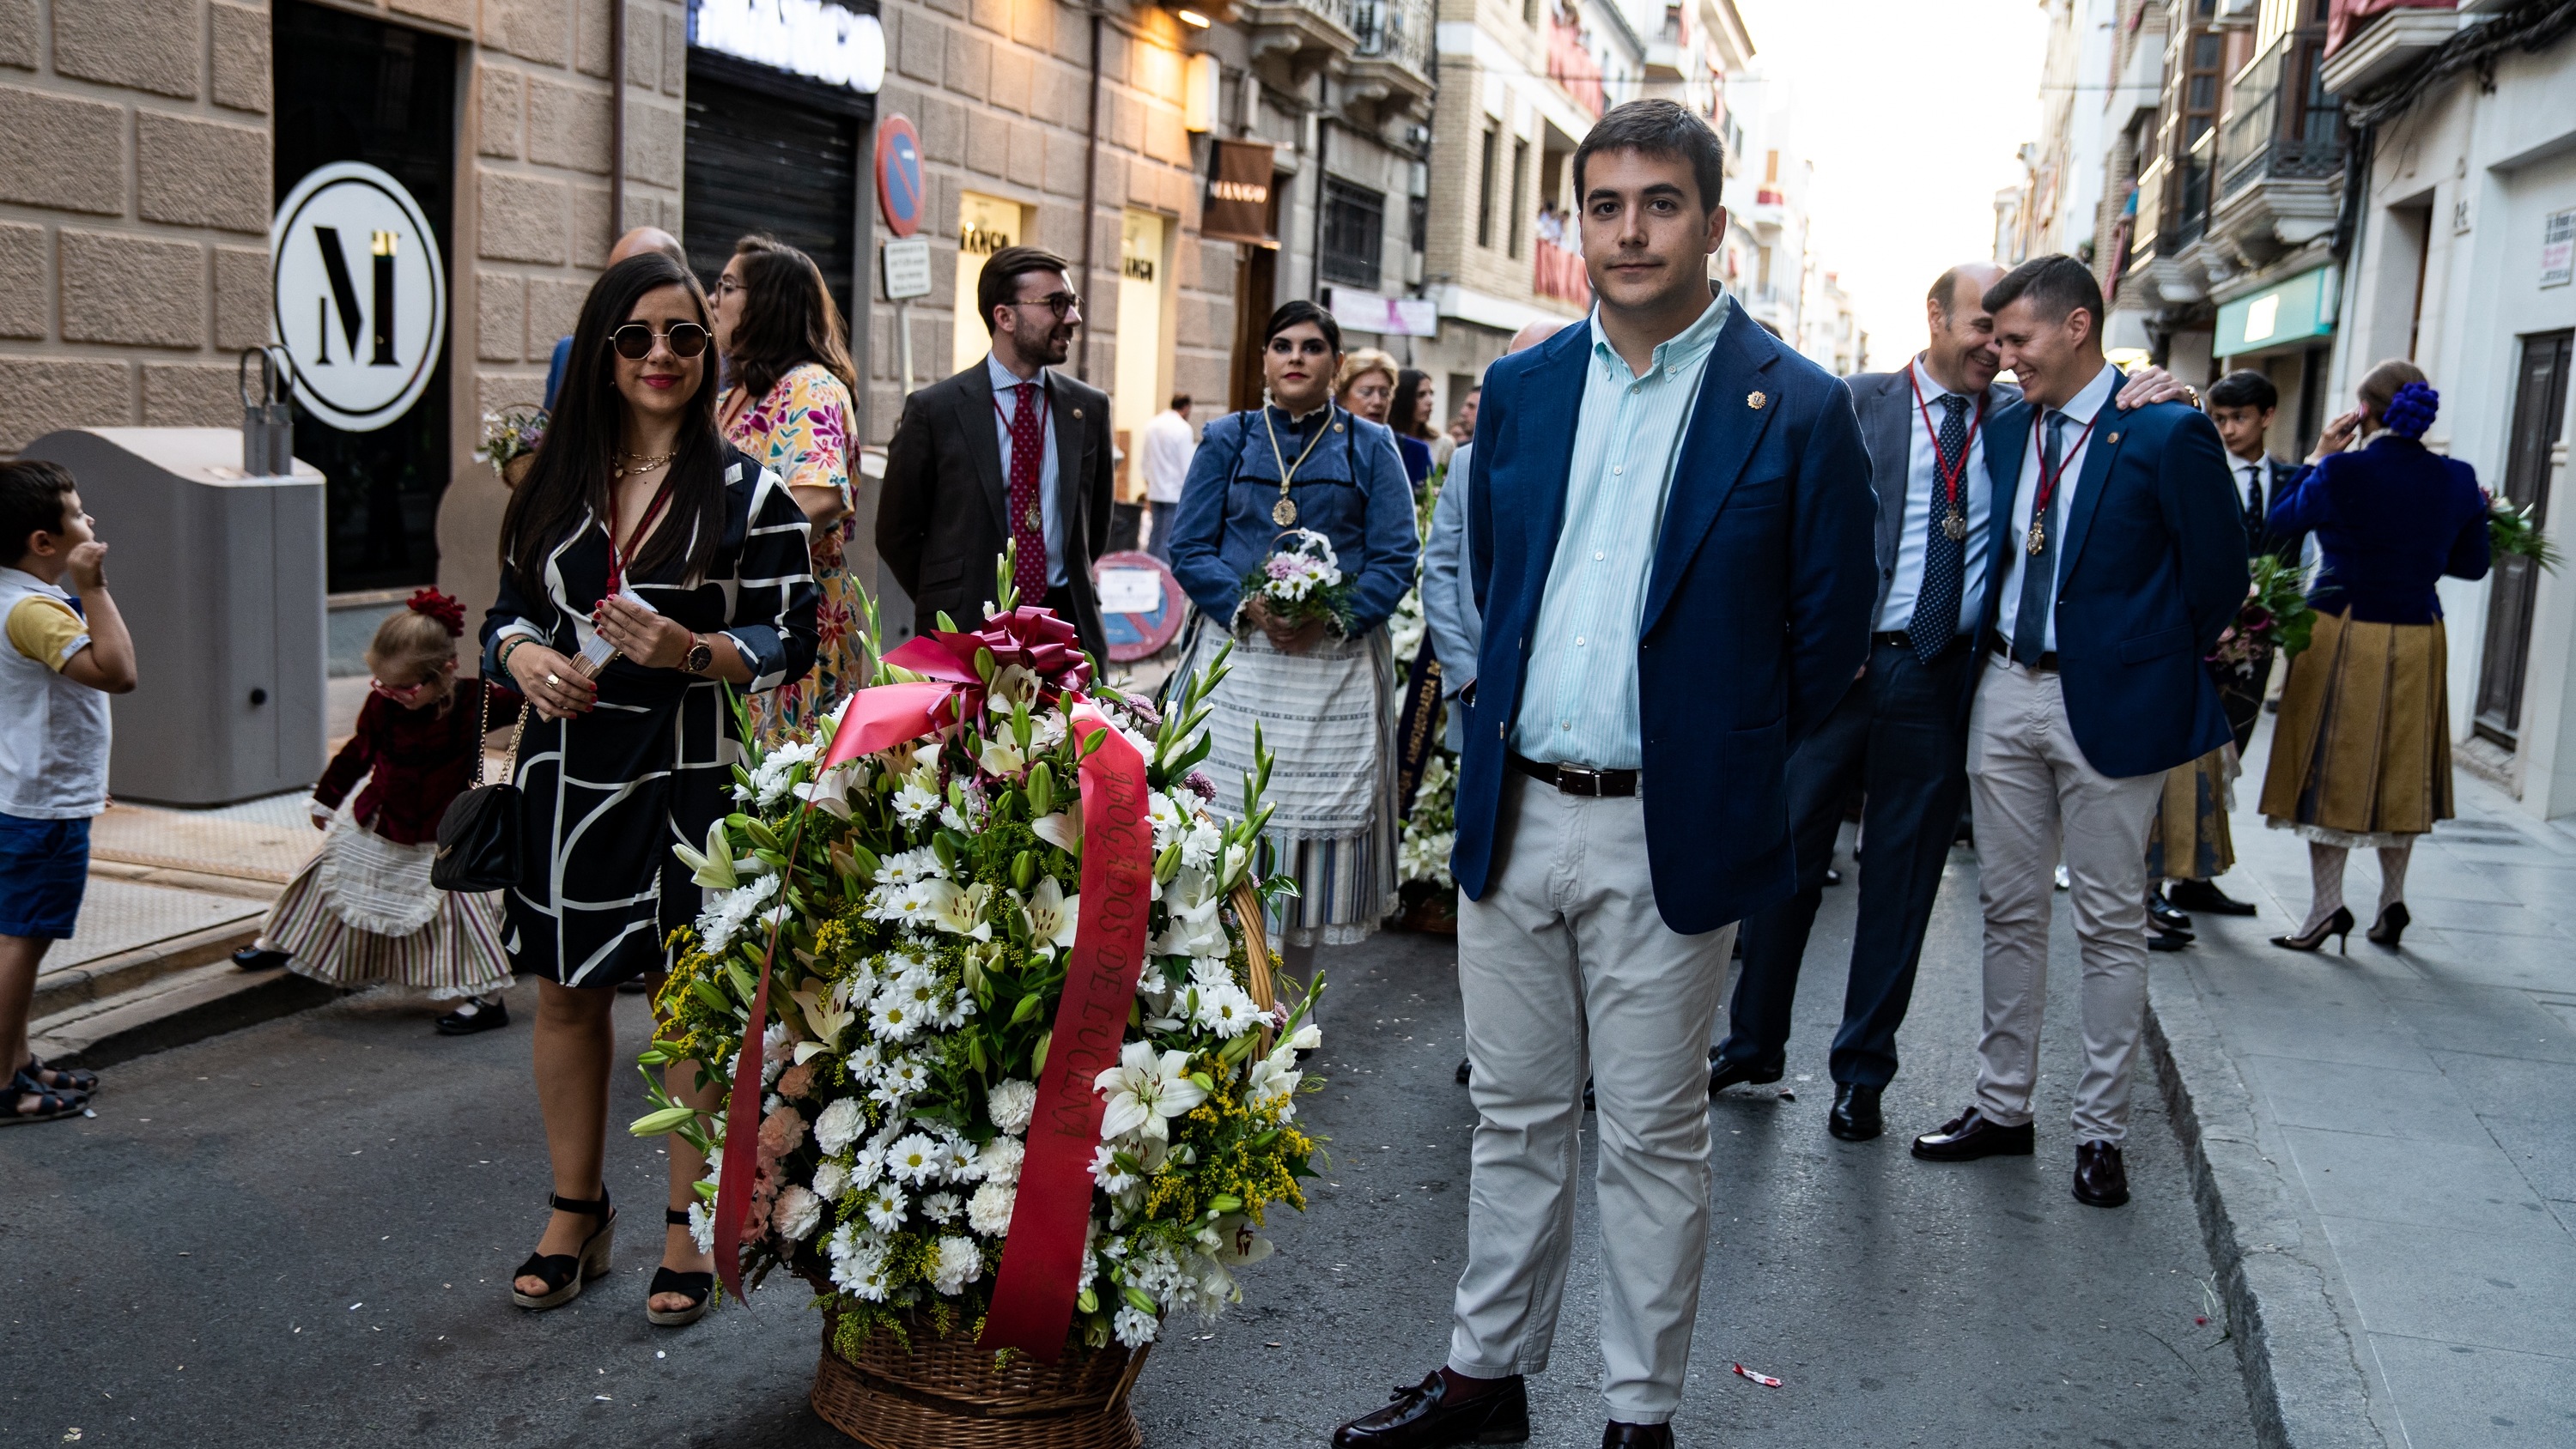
(899, 188)
(1141, 604)
(360, 295)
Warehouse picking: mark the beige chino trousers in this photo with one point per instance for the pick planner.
(2037, 796)
(1566, 968)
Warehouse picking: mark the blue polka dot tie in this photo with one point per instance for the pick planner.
(1945, 559)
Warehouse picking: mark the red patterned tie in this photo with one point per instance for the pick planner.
(1028, 454)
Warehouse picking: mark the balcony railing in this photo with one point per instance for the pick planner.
(1396, 30)
(2257, 145)
(1559, 273)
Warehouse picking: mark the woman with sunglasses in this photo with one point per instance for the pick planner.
(649, 572)
(1323, 699)
(789, 408)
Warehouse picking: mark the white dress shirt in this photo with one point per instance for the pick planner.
(1168, 446)
(2250, 477)
(2078, 441)
(1006, 400)
(1926, 499)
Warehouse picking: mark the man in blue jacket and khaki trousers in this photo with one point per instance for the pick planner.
(2117, 557)
(1670, 537)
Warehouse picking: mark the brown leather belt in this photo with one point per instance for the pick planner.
(1575, 779)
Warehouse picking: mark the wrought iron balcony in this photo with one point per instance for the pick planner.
(1393, 64)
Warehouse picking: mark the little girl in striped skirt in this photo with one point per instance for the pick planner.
(363, 912)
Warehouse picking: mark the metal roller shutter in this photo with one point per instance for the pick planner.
(757, 163)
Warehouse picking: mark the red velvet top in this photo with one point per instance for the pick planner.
(417, 761)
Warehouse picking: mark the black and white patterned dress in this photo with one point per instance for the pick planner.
(608, 793)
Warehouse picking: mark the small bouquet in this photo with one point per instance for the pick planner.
(2511, 533)
(1303, 582)
(511, 436)
(2276, 616)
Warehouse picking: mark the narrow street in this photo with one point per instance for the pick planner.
(299, 1234)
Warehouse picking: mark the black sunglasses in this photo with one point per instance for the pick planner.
(635, 340)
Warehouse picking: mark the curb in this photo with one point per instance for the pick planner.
(183, 1007)
(58, 992)
(2304, 1383)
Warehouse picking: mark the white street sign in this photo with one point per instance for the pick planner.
(907, 268)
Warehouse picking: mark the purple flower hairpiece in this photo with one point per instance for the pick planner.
(2412, 410)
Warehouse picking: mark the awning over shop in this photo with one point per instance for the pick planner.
(2285, 314)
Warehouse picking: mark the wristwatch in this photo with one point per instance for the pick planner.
(701, 656)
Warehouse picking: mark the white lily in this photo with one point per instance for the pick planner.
(1015, 684)
(1004, 761)
(958, 911)
(1063, 830)
(1146, 1091)
(715, 868)
(1236, 858)
(832, 791)
(1238, 1244)
(1052, 915)
(828, 1015)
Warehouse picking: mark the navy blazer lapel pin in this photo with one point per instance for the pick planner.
(1755, 400)
(2113, 440)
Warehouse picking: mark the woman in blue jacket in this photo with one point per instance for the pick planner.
(1323, 698)
(2362, 754)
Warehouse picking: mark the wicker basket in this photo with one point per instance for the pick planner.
(946, 1393)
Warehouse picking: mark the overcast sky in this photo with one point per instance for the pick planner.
(1912, 111)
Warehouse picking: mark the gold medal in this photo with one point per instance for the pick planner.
(2038, 538)
(1033, 520)
(1956, 526)
(1283, 512)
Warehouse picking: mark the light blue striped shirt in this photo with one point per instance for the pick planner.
(1579, 704)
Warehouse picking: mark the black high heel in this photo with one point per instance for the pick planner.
(2391, 925)
(698, 1288)
(2338, 925)
(564, 1274)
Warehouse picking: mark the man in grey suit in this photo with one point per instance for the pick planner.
(1901, 734)
(1008, 451)
(1448, 600)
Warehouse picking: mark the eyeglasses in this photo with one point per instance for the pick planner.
(1310, 346)
(726, 286)
(1059, 303)
(635, 340)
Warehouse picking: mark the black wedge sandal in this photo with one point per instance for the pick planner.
(51, 1103)
(698, 1288)
(85, 1082)
(564, 1274)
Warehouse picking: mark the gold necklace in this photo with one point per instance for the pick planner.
(641, 464)
(1284, 512)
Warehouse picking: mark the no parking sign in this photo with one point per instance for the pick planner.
(899, 189)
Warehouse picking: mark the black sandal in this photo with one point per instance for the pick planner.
(76, 1079)
(51, 1103)
(698, 1288)
(564, 1274)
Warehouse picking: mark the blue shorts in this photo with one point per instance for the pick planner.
(44, 867)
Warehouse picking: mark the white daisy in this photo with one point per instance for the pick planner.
(916, 1159)
(942, 1207)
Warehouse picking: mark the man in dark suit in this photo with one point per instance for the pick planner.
(1005, 452)
(1668, 534)
(2116, 556)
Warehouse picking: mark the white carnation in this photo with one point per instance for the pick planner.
(1000, 1160)
(1013, 1104)
(831, 1180)
(797, 1214)
(839, 1126)
(989, 1210)
(959, 1263)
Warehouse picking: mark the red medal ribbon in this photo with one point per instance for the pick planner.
(1948, 473)
(616, 559)
(2047, 479)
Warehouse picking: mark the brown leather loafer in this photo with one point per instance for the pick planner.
(2100, 1178)
(1424, 1416)
(1969, 1136)
(1637, 1436)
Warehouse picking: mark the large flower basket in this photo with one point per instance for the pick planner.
(987, 1015)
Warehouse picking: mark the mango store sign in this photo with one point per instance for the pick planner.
(813, 38)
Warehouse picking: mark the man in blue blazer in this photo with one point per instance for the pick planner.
(2117, 556)
(1669, 525)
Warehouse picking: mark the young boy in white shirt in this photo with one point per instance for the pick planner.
(66, 653)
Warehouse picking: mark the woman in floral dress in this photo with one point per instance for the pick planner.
(789, 408)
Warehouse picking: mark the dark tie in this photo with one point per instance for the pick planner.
(1028, 455)
(1945, 559)
(2039, 571)
(2254, 499)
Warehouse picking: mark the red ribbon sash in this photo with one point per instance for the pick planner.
(1051, 1219)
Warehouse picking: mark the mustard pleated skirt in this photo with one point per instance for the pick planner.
(2188, 839)
(2361, 755)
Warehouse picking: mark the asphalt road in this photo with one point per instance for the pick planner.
(301, 1233)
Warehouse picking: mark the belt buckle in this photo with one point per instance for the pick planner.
(1578, 780)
